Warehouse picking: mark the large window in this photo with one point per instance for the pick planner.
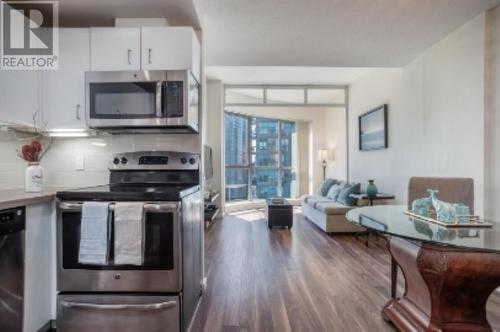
(259, 156)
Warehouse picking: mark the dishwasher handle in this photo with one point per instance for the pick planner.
(135, 307)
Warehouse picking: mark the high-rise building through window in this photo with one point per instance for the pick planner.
(259, 157)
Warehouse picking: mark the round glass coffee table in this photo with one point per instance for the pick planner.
(449, 272)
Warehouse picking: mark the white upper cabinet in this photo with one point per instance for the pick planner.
(20, 98)
(63, 90)
(170, 48)
(115, 49)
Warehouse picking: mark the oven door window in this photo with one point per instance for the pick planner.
(158, 249)
(135, 100)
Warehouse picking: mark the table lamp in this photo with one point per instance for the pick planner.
(325, 155)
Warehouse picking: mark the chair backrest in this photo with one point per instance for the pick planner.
(453, 190)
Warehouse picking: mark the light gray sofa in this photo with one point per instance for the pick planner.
(328, 215)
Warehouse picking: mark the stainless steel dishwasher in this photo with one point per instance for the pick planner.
(12, 228)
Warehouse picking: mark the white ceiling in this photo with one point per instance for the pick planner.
(84, 13)
(329, 33)
(280, 41)
(284, 75)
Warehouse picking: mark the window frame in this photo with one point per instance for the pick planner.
(305, 88)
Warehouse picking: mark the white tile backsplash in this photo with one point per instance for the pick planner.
(59, 162)
(11, 165)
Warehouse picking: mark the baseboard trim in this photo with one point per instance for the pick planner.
(204, 284)
(195, 313)
(49, 326)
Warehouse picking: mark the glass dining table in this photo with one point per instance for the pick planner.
(449, 272)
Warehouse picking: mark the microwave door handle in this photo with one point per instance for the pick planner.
(98, 306)
(159, 96)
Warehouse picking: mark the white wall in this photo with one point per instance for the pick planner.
(436, 116)
(492, 120)
(214, 128)
(336, 138)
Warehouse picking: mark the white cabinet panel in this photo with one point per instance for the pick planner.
(196, 57)
(170, 48)
(39, 287)
(115, 49)
(19, 97)
(63, 90)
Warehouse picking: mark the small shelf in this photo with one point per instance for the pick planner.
(212, 198)
(209, 219)
(215, 215)
(211, 215)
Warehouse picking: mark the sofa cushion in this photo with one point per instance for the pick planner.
(344, 195)
(332, 208)
(313, 200)
(325, 186)
(334, 191)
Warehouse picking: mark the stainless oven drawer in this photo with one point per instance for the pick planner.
(111, 313)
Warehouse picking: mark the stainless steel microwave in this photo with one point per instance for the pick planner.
(142, 101)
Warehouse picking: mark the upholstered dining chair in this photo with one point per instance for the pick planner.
(454, 190)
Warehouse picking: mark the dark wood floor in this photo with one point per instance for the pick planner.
(303, 280)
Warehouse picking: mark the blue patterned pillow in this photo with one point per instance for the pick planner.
(344, 195)
(334, 191)
(325, 186)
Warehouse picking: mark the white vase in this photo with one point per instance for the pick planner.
(34, 178)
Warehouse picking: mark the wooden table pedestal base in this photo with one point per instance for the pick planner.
(446, 288)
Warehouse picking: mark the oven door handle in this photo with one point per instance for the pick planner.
(137, 307)
(148, 207)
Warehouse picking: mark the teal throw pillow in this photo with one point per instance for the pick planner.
(344, 195)
(325, 186)
(334, 191)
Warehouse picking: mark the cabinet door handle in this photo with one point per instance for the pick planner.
(149, 56)
(129, 52)
(78, 111)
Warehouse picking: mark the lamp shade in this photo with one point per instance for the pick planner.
(326, 154)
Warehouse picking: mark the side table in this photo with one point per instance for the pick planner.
(378, 197)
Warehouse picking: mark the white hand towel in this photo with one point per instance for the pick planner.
(129, 234)
(94, 234)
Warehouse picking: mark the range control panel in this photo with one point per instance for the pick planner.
(155, 160)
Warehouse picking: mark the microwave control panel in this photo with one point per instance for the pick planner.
(174, 99)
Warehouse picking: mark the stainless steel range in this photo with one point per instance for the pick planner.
(160, 294)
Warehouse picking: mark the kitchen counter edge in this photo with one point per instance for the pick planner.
(11, 198)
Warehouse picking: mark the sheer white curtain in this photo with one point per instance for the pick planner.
(303, 159)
